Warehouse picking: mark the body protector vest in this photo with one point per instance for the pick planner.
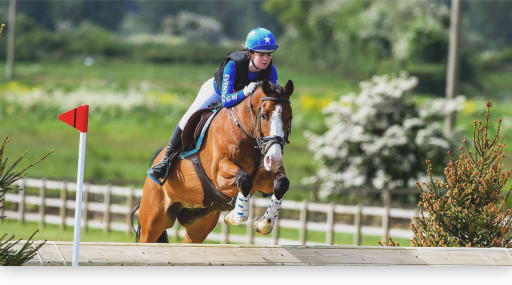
(241, 59)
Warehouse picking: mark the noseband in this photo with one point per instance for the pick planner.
(263, 143)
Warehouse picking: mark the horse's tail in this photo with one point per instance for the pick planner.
(132, 214)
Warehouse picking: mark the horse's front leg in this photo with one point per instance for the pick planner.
(230, 177)
(265, 224)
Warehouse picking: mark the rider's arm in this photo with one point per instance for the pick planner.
(230, 98)
(273, 75)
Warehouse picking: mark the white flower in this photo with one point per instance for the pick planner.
(376, 139)
(98, 100)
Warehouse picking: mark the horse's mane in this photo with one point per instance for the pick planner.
(275, 89)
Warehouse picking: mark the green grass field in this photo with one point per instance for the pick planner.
(54, 233)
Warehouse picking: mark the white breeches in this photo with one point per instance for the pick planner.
(205, 97)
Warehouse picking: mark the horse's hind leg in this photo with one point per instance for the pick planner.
(153, 217)
(200, 228)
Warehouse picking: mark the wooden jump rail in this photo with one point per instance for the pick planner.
(110, 207)
(127, 254)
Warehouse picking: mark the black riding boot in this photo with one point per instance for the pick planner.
(173, 149)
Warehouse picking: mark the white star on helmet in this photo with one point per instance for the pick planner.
(267, 39)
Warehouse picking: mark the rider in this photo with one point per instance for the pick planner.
(234, 80)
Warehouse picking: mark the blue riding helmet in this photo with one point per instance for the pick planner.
(261, 40)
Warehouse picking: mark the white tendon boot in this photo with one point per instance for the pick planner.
(263, 225)
(240, 213)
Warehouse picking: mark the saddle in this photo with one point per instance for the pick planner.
(193, 128)
(196, 128)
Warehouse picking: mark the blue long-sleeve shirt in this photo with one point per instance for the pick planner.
(230, 98)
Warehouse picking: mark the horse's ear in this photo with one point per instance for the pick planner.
(288, 89)
(266, 87)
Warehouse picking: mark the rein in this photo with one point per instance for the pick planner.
(263, 143)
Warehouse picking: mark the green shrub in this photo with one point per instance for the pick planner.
(468, 209)
(89, 39)
(182, 53)
(431, 77)
(496, 60)
(8, 176)
(16, 257)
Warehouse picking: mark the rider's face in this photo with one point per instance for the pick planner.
(261, 59)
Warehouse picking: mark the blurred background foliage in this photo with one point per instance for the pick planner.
(356, 39)
(164, 50)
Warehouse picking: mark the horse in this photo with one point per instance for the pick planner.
(242, 151)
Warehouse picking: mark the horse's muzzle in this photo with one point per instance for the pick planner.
(273, 160)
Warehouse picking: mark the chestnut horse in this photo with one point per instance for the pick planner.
(241, 153)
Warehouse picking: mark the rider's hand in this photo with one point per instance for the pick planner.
(249, 89)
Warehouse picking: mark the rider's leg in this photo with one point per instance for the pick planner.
(173, 149)
(205, 97)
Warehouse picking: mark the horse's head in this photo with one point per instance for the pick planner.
(274, 121)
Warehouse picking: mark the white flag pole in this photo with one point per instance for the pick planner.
(78, 205)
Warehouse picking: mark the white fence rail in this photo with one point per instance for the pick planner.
(119, 201)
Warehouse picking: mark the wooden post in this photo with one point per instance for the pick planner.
(303, 222)
(63, 200)
(452, 68)
(85, 202)
(129, 203)
(316, 195)
(357, 224)
(106, 213)
(386, 197)
(9, 67)
(42, 203)
(330, 225)
(250, 232)
(21, 203)
(2, 210)
(225, 232)
(276, 233)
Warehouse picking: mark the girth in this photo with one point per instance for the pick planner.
(213, 199)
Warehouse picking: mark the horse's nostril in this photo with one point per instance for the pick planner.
(268, 161)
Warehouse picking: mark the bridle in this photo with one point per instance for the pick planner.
(263, 143)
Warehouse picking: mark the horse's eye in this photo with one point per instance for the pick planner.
(264, 116)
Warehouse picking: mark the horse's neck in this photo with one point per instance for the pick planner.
(243, 115)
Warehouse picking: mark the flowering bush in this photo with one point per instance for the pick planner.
(100, 100)
(378, 138)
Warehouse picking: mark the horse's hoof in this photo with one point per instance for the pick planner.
(232, 219)
(262, 226)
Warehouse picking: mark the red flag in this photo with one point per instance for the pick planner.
(78, 118)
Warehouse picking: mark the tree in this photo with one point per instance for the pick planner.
(236, 17)
(468, 208)
(378, 138)
(355, 37)
(488, 20)
(107, 14)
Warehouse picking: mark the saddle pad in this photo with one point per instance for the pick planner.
(192, 138)
(204, 118)
(187, 136)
